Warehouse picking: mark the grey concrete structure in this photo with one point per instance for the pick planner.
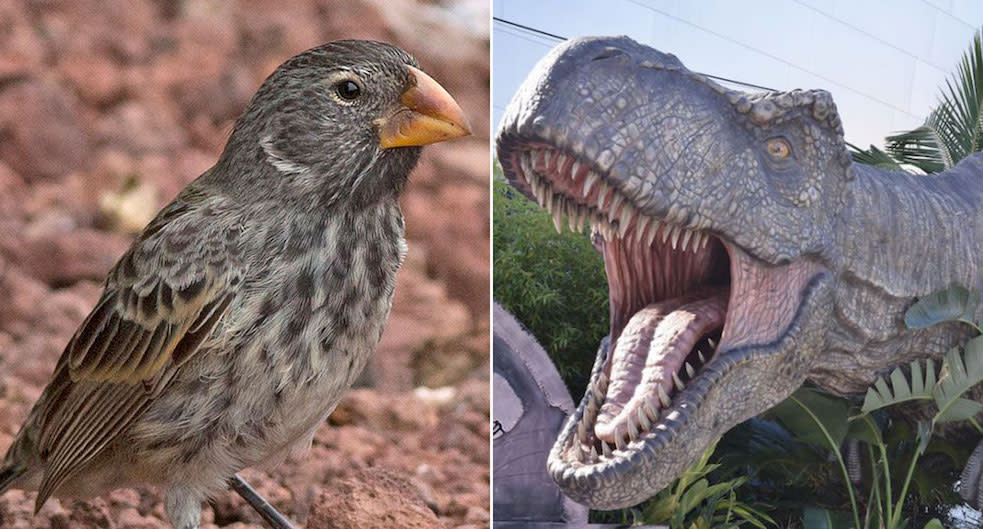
(530, 405)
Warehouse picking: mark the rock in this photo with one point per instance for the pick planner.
(61, 257)
(445, 362)
(22, 48)
(141, 127)
(44, 133)
(453, 217)
(130, 209)
(372, 499)
(95, 78)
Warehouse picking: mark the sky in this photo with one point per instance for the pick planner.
(884, 62)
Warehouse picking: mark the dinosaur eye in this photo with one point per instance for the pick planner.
(348, 90)
(778, 148)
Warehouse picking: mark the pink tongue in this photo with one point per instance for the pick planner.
(653, 345)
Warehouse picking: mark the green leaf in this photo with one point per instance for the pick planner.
(924, 435)
(817, 518)
(959, 410)
(882, 394)
(934, 523)
(874, 156)
(859, 430)
(831, 411)
(954, 303)
(960, 372)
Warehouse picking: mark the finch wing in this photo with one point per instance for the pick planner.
(161, 302)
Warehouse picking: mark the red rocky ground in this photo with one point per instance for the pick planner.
(107, 109)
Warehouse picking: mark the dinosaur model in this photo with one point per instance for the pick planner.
(745, 253)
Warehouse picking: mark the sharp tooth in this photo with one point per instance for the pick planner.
(542, 159)
(561, 161)
(606, 449)
(664, 397)
(558, 221)
(652, 231)
(589, 182)
(679, 383)
(619, 440)
(675, 236)
(602, 195)
(541, 191)
(578, 454)
(571, 211)
(615, 202)
(703, 359)
(644, 225)
(674, 211)
(627, 215)
(599, 393)
(713, 344)
(652, 408)
(686, 236)
(666, 230)
(590, 413)
(582, 214)
(706, 239)
(643, 419)
(593, 453)
(689, 370)
(632, 428)
(582, 431)
(574, 169)
(625, 220)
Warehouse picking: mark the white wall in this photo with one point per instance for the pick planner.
(884, 62)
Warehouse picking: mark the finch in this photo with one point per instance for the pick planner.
(232, 326)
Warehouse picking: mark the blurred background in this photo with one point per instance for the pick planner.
(107, 109)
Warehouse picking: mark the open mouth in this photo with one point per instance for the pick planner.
(682, 298)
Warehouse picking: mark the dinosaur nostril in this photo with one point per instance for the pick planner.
(607, 53)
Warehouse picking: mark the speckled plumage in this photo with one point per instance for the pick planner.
(230, 329)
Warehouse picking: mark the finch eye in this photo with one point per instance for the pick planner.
(348, 90)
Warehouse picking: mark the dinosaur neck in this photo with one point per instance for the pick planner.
(899, 237)
(909, 235)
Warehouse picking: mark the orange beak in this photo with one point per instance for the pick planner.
(428, 114)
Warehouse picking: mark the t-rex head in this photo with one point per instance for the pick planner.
(714, 212)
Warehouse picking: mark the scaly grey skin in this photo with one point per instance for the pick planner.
(230, 329)
(731, 218)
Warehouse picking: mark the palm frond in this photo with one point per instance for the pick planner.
(874, 156)
(961, 371)
(954, 129)
(883, 393)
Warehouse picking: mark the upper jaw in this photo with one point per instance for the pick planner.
(594, 101)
